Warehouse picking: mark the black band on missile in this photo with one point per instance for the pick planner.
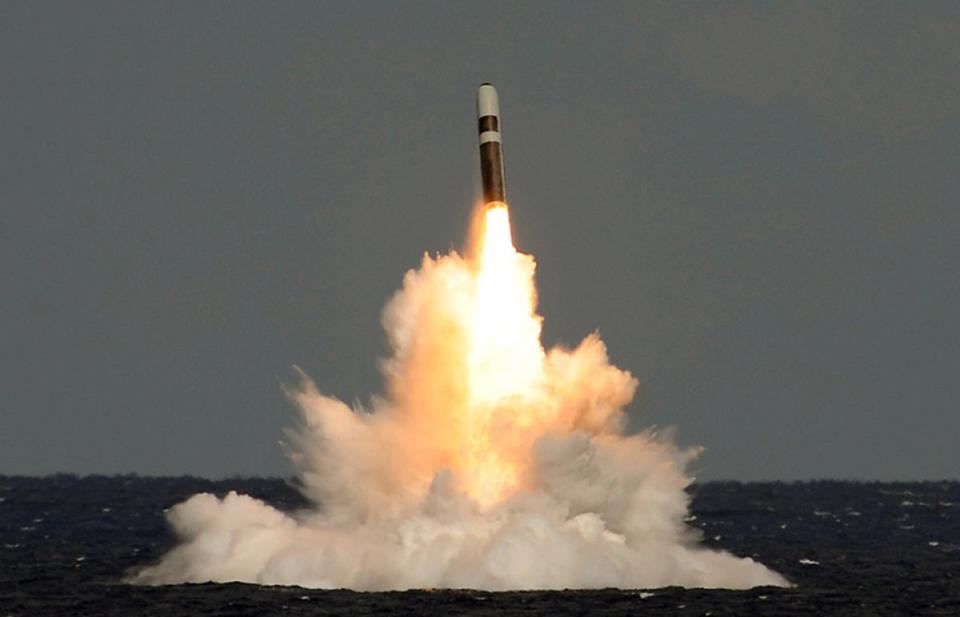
(488, 123)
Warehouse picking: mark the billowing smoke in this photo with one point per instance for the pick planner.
(489, 463)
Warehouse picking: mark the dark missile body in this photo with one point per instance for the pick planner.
(491, 153)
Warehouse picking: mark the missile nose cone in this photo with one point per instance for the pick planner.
(487, 101)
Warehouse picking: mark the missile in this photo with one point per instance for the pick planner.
(491, 155)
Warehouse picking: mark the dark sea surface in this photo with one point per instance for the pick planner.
(850, 548)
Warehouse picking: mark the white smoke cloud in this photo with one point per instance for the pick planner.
(401, 496)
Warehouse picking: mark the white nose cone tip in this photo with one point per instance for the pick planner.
(487, 102)
(488, 113)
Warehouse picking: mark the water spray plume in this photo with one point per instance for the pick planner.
(488, 464)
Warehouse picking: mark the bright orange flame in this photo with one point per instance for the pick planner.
(505, 360)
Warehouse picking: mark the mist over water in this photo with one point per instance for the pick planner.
(489, 463)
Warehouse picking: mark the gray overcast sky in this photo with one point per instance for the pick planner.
(755, 203)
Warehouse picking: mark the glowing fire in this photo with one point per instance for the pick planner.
(505, 360)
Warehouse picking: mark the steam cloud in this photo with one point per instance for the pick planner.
(403, 493)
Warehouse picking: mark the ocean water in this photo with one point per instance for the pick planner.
(850, 549)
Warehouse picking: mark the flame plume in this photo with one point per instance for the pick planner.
(505, 359)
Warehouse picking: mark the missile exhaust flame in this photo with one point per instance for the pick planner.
(489, 463)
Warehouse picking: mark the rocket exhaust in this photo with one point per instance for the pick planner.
(491, 154)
